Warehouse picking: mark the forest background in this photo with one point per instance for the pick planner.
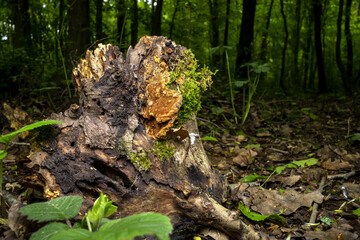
(302, 46)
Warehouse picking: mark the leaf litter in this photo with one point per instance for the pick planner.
(298, 143)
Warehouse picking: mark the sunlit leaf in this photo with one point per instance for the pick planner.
(303, 163)
(48, 231)
(258, 217)
(208, 138)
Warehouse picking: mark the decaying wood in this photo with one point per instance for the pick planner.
(124, 106)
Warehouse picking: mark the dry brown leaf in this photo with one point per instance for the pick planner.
(244, 158)
(336, 165)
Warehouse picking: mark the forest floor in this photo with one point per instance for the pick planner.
(293, 157)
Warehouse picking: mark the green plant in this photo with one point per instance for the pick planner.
(6, 139)
(94, 225)
(252, 84)
(231, 88)
(258, 217)
(163, 149)
(302, 163)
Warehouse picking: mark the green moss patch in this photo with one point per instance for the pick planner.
(163, 149)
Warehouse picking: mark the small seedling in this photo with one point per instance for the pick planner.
(94, 224)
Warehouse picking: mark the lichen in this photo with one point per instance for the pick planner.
(141, 160)
(192, 82)
(163, 149)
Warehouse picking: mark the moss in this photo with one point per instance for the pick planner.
(192, 82)
(163, 149)
(141, 161)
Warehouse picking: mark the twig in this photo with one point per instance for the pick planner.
(342, 175)
(278, 150)
(348, 129)
(314, 212)
(205, 120)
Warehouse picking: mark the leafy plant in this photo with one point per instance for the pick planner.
(209, 138)
(6, 139)
(258, 217)
(302, 163)
(252, 85)
(357, 212)
(94, 225)
(252, 178)
(231, 88)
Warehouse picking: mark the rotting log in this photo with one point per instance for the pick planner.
(126, 138)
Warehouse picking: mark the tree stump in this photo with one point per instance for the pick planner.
(133, 138)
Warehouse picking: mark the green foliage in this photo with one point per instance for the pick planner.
(208, 138)
(252, 178)
(99, 228)
(195, 81)
(258, 217)
(252, 84)
(326, 220)
(163, 149)
(353, 138)
(57, 209)
(141, 161)
(357, 212)
(303, 163)
(102, 208)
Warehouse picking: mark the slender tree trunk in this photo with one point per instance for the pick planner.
(214, 32)
(266, 33)
(317, 11)
(61, 21)
(285, 46)
(134, 24)
(156, 23)
(338, 49)
(349, 46)
(246, 37)
(296, 43)
(121, 18)
(308, 50)
(172, 23)
(226, 32)
(21, 19)
(99, 21)
(79, 26)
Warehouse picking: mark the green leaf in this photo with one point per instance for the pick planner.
(313, 116)
(208, 138)
(48, 231)
(217, 110)
(137, 225)
(240, 84)
(326, 220)
(7, 138)
(75, 234)
(3, 154)
(354, 137)
(102, 208)
(303, 163)
(58, 209)
(258, 217)
(252, 178)
(357, 212)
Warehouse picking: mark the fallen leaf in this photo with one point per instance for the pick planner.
(244, 158)
(336, 165)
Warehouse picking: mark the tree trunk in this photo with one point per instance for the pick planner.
(317, 11)
(246, 37)
(156, 23)
(172, 23)
(99, 17)
(21, 19)
(226, 32)
(266, 33)
(285, 46)
(108, 143)
(134, 24)
(121, 18)
(214, 31)
(79, 27)
(295, 74)
(349, 47)
(339, 62)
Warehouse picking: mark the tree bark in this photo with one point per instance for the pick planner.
(79, 27)
(172, 23)
(99, 21)
(246, 37)
(296, 75)
(284, 47)
(317, 11)
(226, 31)
(349, 47)
(156, 23)
(214, 31)
(266, 33)
(124, 110)
(21, 19)
(121, 18)
(134, 24)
